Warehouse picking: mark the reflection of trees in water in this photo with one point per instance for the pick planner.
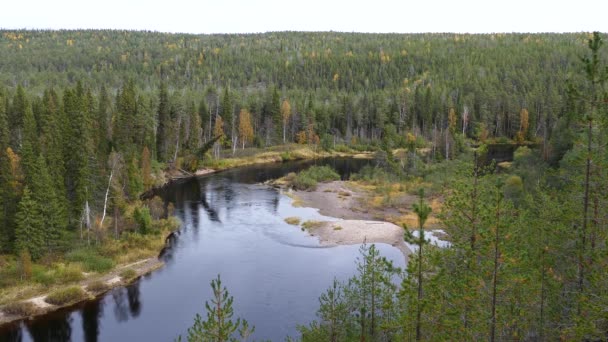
(91, 314)
(134, 299)
(121, 311)
(54, 327)
(127, 302)
(14, 334)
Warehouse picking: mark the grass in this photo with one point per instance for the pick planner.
(308, 179)
(128, 275)
(66, 296)
(293, 220)
(311, 224)
(91, 260)
(21, 309)
(98, 286)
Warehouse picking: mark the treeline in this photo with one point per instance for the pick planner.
(346, 85)
(69, 161)
(527, 254)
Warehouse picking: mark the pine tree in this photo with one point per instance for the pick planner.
(422, 210)
(7, 194)
(16, 115)
(44, 194)
(163, 122)
(30, 147)
(204, 115)
(219, 325)
(146, 168)
(29, 233)
(195, 133)
(124, 129)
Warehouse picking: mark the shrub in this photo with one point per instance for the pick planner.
(98, 286)
(21, 309)
(91, 260)
(25, 263)
(128, 274)
(312, 224)
(342, 148)
(304, 182)
(69, 274)
(143, 219)
(66, 296)
(307, 179)
(293, 220)
(42, 276)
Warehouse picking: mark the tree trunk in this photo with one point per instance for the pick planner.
(495, 273)
(583, 230)
(419, 304)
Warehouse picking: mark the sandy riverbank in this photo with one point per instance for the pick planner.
(352, 232)
(38, 306)
(361, 223)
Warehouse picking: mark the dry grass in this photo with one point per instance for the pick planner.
(128, 275)
(311, 224)
(25, 309)
(293, 220)
(98, 286)
(297, 202)
(20, 292)
(66, 296)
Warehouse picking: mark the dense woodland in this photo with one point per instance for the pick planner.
(88, 119)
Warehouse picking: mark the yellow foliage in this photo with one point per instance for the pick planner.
(245, 128)
(285, 111)
(301, 137)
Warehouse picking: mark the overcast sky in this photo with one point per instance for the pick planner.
(242, 16)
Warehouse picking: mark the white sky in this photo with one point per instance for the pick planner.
(241, 16)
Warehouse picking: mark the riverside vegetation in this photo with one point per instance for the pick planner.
(527, 254)
(91, 119)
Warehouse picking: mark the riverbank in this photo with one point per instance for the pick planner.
(94, 271)
(363, 221)
(253, 156)
(92, 286)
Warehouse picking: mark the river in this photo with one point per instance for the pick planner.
(233, 226)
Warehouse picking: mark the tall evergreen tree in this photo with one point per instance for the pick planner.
(29, 232)
(163, 123)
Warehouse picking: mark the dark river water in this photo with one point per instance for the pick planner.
(232, 226)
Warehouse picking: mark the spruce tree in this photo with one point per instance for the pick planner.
(29, 232)
(7, 195)
(44, 194)
(163, 123)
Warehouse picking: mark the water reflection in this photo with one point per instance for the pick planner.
(56, 327)
(233, 226)
(127, 302)
(91, 314)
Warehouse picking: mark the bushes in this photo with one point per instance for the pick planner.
(307, 179)
(128, 274)
(91, 260)
(293, 220)
(98, 286)
(21, 309)
(66, 296)
(142, 217)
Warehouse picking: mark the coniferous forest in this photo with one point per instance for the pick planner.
(90, 120)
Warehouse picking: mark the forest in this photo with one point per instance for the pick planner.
(90, 119)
